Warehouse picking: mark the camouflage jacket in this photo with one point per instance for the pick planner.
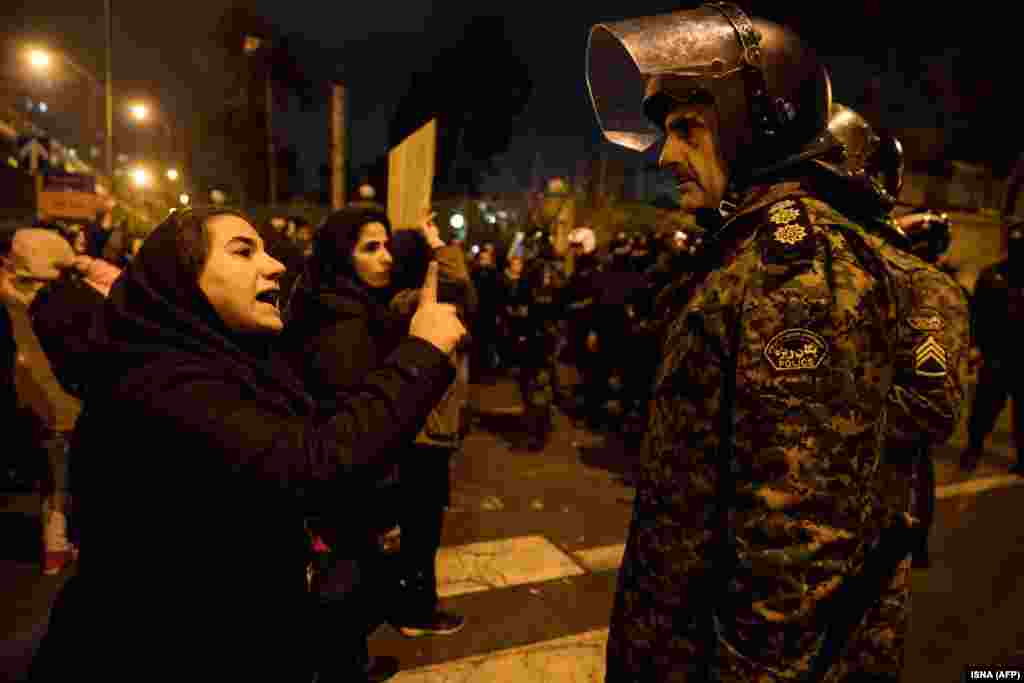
(733, 545)
(932, 340)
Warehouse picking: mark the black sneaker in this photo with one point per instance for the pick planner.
(381, 669)
(438, 624)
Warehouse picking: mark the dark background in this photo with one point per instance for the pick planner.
(896, 68)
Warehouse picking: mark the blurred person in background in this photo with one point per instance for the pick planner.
(998, 307)
(36, 260)
(424, 477)
(485, 325)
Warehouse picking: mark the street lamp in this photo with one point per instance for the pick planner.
(184, 199)
(140, 177)
(172, 174)
(39, 59)
(139, 111)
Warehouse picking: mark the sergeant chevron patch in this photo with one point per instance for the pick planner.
(930, 358)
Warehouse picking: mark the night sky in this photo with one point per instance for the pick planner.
(899, 70)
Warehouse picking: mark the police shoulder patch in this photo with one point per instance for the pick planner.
(788, 234)
(926, 320)
(796, 349)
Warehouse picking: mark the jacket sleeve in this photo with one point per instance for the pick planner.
(452, 268)
(369, 421)
(341, 354)
(933, 337)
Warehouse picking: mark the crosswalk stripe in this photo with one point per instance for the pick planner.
(979, 485)
(601, 558)
(579, 658)
(498, 564)
(488, 565)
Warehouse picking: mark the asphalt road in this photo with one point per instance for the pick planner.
(529, 557)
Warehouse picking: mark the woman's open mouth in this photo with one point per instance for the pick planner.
(270, 296)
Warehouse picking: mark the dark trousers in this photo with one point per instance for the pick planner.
(346, 609)
(924, 498)
(996, 383)
(538, 388)
(425, 490)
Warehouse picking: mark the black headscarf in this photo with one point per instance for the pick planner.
(329, 282)
(331, 266)
(157, 321)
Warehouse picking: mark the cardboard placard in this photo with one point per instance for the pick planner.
(80, 205)
(411, 177)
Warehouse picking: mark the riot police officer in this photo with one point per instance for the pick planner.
(998, 307)
(538, 296)
(772, 398)
(619, 292)
(929, 236)
(580, 297)
(864, 176)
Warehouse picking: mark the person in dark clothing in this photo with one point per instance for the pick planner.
(424, 476)
(581, 295)
(185, 353)
(341, 302)
(487, 282)
(537, 336)
(998, 307)
(620, 291)
(99, 232)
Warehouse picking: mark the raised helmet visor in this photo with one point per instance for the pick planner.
(631, 61)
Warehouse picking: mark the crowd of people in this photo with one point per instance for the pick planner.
(790, 361)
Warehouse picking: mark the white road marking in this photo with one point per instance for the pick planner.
(975, 486)
(498, 564)
(602, 558)
(579, 659)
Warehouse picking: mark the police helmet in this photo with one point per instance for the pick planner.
(772, 93)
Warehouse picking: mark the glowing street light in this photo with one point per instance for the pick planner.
(184, 199)
(140, 177)
(457, 221)
(139, 111)
(172, 174)
(39, 59)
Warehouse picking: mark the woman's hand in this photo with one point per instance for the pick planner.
(437, 324)
(428, 228)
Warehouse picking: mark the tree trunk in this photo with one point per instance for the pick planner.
(337, 133)
(271, 157)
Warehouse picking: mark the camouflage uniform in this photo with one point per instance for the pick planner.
(928, 418)
(537, 342)
(758, 496)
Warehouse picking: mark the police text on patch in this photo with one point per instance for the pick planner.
(796, 349)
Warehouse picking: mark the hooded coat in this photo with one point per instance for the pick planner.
(194, 551)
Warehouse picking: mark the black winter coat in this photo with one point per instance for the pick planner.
(322, 322)
(194, 462)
